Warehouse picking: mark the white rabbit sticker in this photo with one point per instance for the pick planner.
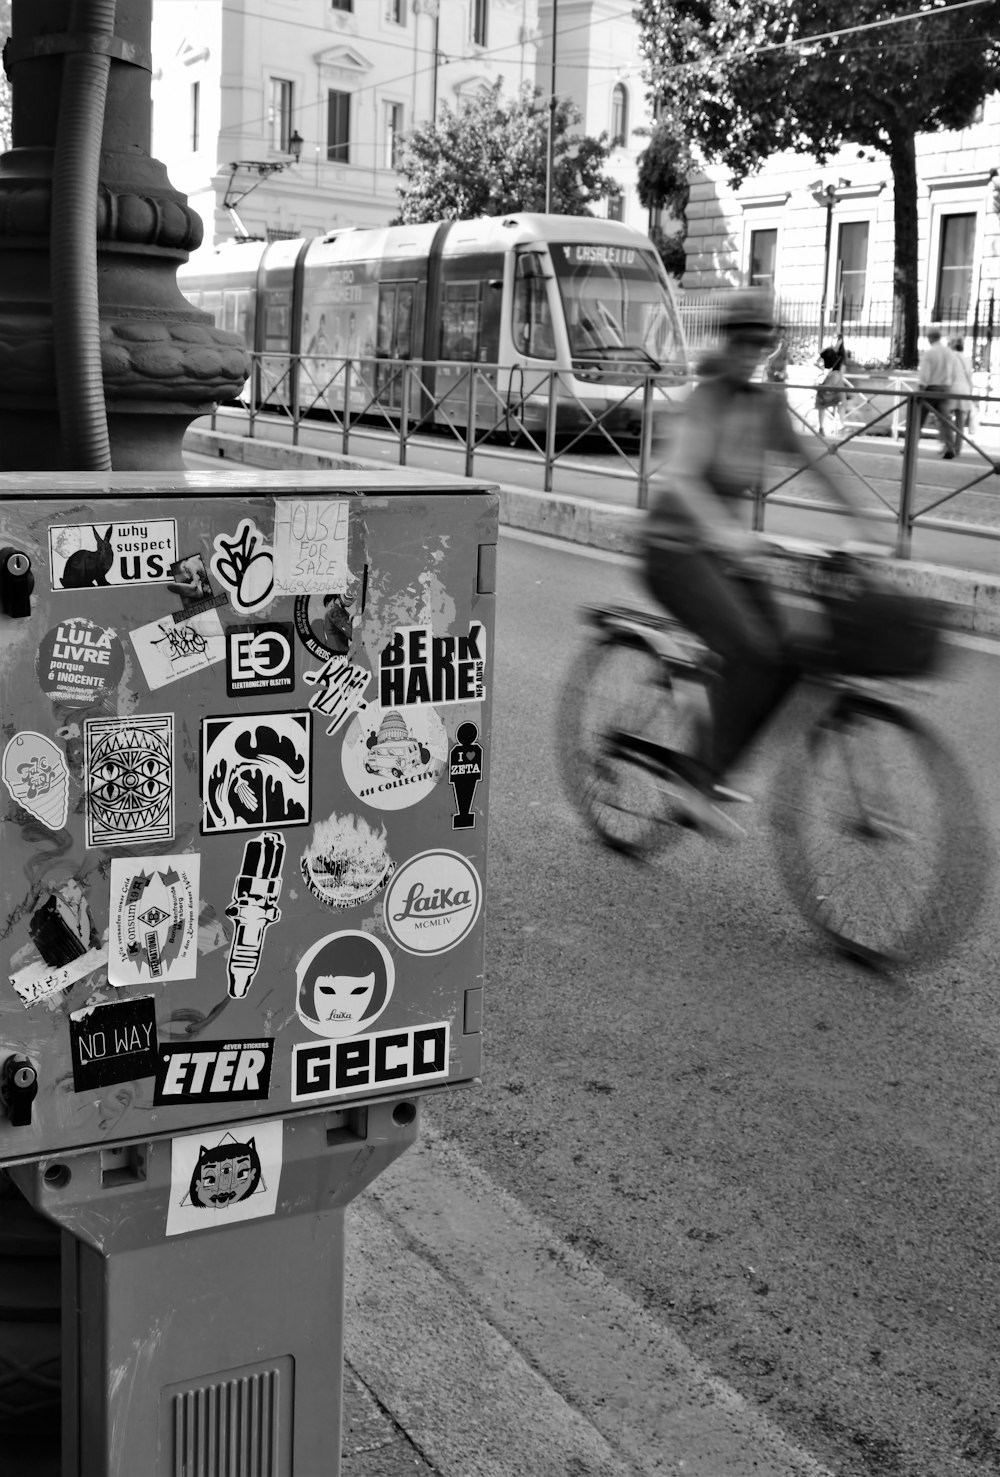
(91, 556)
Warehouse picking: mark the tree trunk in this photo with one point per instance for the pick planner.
(905, 298)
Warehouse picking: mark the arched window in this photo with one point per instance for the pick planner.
(619, 115)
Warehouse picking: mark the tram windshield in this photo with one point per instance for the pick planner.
(617, 305)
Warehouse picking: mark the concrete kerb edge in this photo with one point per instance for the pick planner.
(973, 598)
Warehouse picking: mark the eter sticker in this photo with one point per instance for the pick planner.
(214, 1072)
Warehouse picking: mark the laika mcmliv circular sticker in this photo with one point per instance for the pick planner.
(391, 761)
(433, 902)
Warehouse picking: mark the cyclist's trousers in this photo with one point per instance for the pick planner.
(738, 620)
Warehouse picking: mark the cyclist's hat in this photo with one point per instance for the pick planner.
(748, 311)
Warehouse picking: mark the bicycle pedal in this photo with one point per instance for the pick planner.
(697, 811)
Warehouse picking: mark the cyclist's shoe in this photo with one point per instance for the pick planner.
(724, 795)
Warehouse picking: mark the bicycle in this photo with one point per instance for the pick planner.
(878, 838)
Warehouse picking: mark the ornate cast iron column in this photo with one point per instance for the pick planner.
(163, 362)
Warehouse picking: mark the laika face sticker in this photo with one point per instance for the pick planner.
(128, 776)
(344, 983)
(391, 761)
(347, 861)
(432, 902)
(256, 771)
(35, 773)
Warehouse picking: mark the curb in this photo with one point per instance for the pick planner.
(973, 599)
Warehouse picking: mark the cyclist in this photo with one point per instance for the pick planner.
(702, 562)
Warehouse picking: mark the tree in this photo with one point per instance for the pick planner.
(662, 182)
(742, 81)
(5, 98)
(490, 158)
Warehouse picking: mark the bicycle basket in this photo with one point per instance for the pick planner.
(880, 632)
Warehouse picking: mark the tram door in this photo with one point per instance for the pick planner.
(394, 339)
(470, 335)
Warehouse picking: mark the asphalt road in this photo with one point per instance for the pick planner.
(788, 1160)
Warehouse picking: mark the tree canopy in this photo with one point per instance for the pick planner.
(5, 98)
(743, 80)
(490, 158)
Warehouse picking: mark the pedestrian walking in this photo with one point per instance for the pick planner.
(936, 380)
(830, 390)
(962, 403)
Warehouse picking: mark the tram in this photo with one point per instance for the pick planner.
(335, 321)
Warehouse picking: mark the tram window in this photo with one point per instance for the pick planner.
(212, 303)
(276, 325)
(461, 320)
(532, 326)
(404, 323)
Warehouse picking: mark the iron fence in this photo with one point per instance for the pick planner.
(866, 326)
(548, 418)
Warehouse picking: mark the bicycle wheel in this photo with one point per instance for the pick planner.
(619, 684)
(878, 837)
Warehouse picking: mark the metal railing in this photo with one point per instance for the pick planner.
(542, 412)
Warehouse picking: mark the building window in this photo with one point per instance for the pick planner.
(763, 251)
(280, 115)
(338, 127)
(616, 205)
(393, 128)
(852, 266)
(954, 280)
(480, 21)
(619, 115)
(195, 116)
(396, 12)
(342, 5)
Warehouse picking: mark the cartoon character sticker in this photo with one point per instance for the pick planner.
(391, 761)
(345, 982)
(129, 779)
(37, 776)
(154, 919)
(244, 564)
(256, 771)
(85, 556)
(217, 1179)
(347, 862)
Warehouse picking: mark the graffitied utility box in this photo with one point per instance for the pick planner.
(245, 753)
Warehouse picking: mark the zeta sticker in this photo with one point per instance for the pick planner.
(256, 771)
(384, 1059)
(391, 761)
(174, 647)
(113, 1043)
(244, 564)
(347, 862)
(37, 775)
(259, 659)
(465, 771)
(254, 908)
(213, 1072)
(310, 544)
(217, 1179)
(65, 944)
(432, 902)
(154, 919)
(80, 662)
(419, 667)
(84, 556)
(128, 769)
(344, 982)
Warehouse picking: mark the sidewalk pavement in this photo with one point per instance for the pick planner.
(973, 597)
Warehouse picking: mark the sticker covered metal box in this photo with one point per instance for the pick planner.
(245, 753)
